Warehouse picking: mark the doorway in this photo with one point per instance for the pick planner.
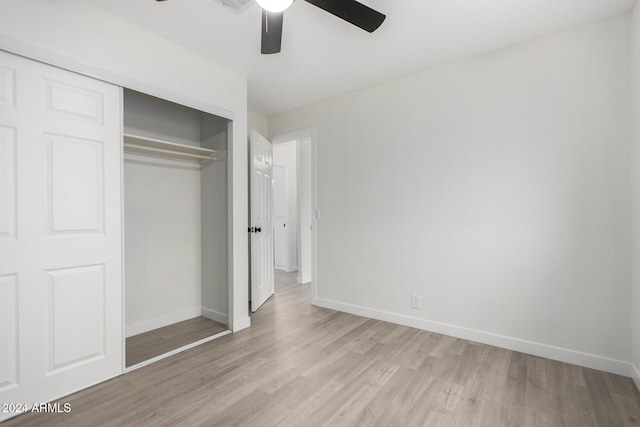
(294, 211)
(306, 205)
(285, 206)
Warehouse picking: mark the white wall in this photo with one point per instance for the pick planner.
(215, 257)
(635, 171)
(153, 117)
(258, 122)
(163, 219)
(497, 188)
(162, 242)
(285, 155)
(75, 34)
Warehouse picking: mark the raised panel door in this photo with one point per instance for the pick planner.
(60, 231)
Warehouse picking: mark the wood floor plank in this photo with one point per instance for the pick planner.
(628, 408)
(383, 401)
(439, 396)
(302, 416)
(604, 407)
(514, 386)
(300, 365)
(418, 350)
(348, 413)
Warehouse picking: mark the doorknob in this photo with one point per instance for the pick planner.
(258, 229)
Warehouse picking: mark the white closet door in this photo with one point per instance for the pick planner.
(60, 231)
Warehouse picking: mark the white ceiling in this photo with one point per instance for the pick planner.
(323, 56)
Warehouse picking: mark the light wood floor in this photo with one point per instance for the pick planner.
(307, 366)
(150, 344)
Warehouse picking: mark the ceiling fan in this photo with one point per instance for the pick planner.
(351, 11)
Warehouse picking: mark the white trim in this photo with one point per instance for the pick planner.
(162, 321)
(10, 45)
(587, 360)
(635, 376)
(123, 276)
(176, 351)
(216, 316)
(241, 324)
(294, 135)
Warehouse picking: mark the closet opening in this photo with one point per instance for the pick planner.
(176, 227)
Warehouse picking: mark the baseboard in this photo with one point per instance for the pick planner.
(216, 316)
(592, 361)
(301, 281)
(162, 321)
(241, 324)
(635, 376)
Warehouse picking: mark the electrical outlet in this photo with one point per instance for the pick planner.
(416, 301)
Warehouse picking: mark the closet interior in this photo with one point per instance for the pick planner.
(176, 223)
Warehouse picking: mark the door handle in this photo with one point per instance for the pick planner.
(258, 229)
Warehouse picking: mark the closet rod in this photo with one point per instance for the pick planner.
(164, 151)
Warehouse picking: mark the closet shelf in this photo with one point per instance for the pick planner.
(143, 145)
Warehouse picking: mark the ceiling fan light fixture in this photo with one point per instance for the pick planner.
(274, 6)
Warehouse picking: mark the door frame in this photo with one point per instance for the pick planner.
(311, 134)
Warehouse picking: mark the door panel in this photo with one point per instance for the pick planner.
(75, 185)
(60, 231)
(262, 276)
(73, 102)
(77, 331)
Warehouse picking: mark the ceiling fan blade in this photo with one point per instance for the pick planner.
(353, 12)
(271, 31)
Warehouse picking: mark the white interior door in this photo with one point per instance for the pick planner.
(280, 237)
(261, 225)
(60, 232)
